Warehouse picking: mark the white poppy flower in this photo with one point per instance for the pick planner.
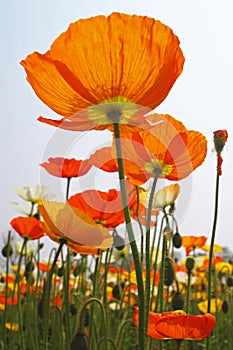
(34, 193)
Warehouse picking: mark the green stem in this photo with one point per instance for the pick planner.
(188, 292)
(68, 188)
(6, 293)
(212, 243)
(19, 298)
(148, 256)
(46, 296)
(130, 232)
(66, 299)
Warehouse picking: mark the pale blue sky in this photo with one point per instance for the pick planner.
(201, 97)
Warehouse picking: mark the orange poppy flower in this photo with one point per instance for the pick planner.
(27, 227)
(178, 325)
(63, 167)
(192, 242)
(77, 229)
(105, 208)
(106, 66)
(166, 148)
(104, 160)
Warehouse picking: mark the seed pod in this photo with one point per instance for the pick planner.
(79, 342)
(177, 301)
(169, 272)
(225, 307)
(177, 240)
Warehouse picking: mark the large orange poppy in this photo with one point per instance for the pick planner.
(77, 229)
(64, 167)
(27, 227)
(177, 325)
(168, 149)
(107, 66)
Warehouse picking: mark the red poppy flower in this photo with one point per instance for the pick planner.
(167, 149)
(63, 167)
(105, 208)
(106, 66)
(27, 227)
(178, 325)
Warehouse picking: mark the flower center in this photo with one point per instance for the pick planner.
(156, 166)
(118, 109)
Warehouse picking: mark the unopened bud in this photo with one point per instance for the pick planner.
(169, 272)
(220, 138)
(79, 342)
(177, 240)
(225, 307)
(177, 301)
(7, 250)
(229, 281)
(189, 263)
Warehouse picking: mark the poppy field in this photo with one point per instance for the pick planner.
(115, 278)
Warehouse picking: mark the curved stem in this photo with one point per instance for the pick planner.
(130, 232)
(82, 314)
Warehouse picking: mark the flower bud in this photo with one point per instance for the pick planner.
(225, 307)
(116, 292)
(7, 250)
(220, 138)
(177, 301)
(189, 263)
(229, 281)
(177, 240)
(79, 342)
(169, 272)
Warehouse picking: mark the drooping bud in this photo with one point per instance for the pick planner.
(79, 342)
(169, 271)
(177, 240)
(189, 263)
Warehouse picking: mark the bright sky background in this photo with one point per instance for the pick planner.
(201, 98)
